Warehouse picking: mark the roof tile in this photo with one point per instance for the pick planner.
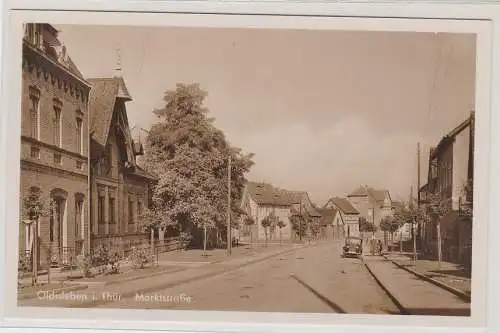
(344, 205)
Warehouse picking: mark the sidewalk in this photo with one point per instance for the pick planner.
(195, 256)
(188, 258)
(413, 295)
(166, 279)
(450, 274)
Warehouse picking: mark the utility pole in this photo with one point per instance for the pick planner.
(35, 253)
(418, 173)
(300, 220)
(229, 238)
(413, 224)
(419, 223)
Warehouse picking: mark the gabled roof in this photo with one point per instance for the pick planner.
(453, 133)
(327, 215)
(344, 205)
(145, 174)
(74, 69)
(361, 191)
(365, 191)
(378, 195)
(312, 211)
(267, 194)
(424, 187)
(102, 99)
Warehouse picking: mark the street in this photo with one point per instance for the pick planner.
(312, 279)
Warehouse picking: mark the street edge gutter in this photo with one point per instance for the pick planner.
(463, 296)
(27, 296)
(185, 281)
(402, 309)
(138, 277)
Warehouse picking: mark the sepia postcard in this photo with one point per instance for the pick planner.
(295, 167)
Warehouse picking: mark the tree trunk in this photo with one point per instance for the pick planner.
(265, 231)
(414, 244)
(251, 237)
(401, 241)
(152, 240)
(439, 240)
(280, 236)
(204, 239)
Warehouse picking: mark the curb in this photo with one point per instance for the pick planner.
(184, 281)
(463, 296)
(22, 297)
(134, 278)
(398, 304)
(123, 280)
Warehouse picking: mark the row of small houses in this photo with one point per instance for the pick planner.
(338, 218)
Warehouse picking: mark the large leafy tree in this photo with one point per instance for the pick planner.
(191, 158)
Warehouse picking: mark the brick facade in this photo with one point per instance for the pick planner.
(56, 137)
(54, 151)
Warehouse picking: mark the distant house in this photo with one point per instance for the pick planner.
(450, 173)
(372, 204)
(348, 214)
(332, 226)
(261, 199)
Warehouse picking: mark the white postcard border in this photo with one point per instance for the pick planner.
(214, 320)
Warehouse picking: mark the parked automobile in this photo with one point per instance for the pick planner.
(353, 247)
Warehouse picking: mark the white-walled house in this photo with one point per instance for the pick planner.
(372, 204)
(261, 199)
(349, 215)
(332, 225)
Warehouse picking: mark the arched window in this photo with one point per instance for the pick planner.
(79, 201)
(79, 135)
(57, 216)
(34, 111)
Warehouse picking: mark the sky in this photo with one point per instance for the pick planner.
(323, 111)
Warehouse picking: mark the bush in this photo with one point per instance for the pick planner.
(24, 264)
(114, 262)
(85, 264)
(139, 258)
(107, 260)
